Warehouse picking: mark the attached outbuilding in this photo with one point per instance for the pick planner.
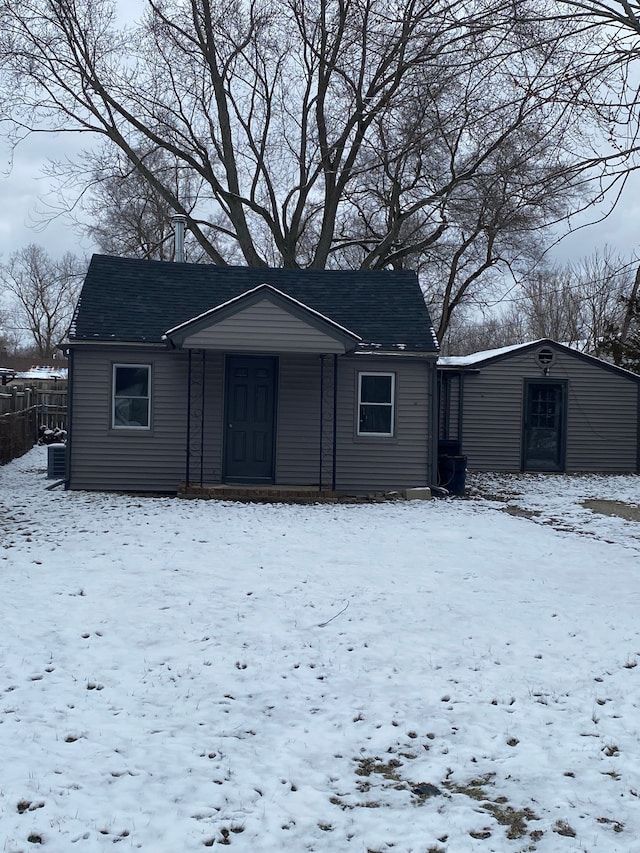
(540, 406)
(194, 374)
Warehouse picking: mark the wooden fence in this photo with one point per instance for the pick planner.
(52, 408)
(18, 433)
(16, 398)
(23, 411)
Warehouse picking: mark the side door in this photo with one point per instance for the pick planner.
(544, 426)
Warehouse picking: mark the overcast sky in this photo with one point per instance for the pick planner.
(24, 192)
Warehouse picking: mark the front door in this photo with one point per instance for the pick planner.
(544, 426)
(250, 415)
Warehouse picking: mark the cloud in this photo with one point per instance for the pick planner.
(26, 193)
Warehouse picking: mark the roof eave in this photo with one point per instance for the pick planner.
(111, 342)
(395, 353)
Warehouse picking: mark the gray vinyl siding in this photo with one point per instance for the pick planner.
(602, 421)
(103, 458)
(131, 460)
(602, 414)
(264, 327)
(213, 420)
(298, 420)
(492, 418)
(368, 463)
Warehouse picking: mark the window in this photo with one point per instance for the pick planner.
(131, 396)
(376, 403)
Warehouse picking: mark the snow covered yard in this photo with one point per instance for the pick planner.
(442, 676)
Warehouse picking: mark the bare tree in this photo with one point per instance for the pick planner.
(620, 339)
(338, 132)
(549, 303)
(8, 338)
(607, 86)
(123, 214)
(579, 304)
(576, 303)
(467, 334)
(43, 293)
(603, 280)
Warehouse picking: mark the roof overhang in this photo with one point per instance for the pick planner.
(82, 343)
(397, 353)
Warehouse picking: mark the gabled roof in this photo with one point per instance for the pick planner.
(253, 297)
(138, 301)
(477, 360)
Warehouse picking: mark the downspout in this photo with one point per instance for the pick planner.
(320, 453)
(202, 401)
(638, 433)
(460, 406)
(67, 472)
(335, 420)
(187, 471)
(432, 471)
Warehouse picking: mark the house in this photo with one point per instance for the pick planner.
(200, 375)
(44, 376)
(540, 406)
(22, 371)
(7, 374)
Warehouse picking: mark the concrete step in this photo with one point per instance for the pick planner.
(259, 494)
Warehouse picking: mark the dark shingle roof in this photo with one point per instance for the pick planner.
(126, 299)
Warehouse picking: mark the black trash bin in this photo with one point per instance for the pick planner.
(452, 473)
(449, 447)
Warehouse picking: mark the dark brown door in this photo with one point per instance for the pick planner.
(250, 419)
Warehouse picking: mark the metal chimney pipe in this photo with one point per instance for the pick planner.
(179, 225)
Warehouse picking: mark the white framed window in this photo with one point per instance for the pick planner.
(131, 396)
(376, 403)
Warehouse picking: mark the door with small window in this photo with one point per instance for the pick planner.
(544, 427)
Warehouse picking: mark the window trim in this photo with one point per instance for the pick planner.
(136, 427)
(391, 404)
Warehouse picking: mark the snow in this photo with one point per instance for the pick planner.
(475, 357)
(183, 674)
(461, 361)
(43, 372)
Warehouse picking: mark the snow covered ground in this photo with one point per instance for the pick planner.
(441, 676)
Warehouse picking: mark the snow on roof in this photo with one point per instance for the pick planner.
(475, 357)
(44, 372)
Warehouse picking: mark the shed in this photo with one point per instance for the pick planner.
(199, 374)
(540, 406)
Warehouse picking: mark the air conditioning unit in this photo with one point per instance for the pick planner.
(57, 461)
